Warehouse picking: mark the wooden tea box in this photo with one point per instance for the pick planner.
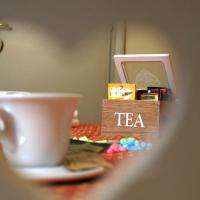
(132, 118)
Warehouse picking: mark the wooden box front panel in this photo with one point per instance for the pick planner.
(128, 116)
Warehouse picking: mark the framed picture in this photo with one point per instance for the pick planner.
(121, 59)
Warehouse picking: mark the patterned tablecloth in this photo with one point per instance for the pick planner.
(93, 132)
(79, 190)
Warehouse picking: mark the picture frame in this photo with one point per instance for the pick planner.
(120, 59)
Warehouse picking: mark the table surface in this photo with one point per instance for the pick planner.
(78, 190)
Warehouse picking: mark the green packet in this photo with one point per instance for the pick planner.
(83, 155)
(76, 145)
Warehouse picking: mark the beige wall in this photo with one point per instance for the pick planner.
(54, 48)
(144, 38)
(64, 46)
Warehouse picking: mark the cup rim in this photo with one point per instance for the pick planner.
(27, 95)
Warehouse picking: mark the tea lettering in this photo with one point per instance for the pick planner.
(129, 121)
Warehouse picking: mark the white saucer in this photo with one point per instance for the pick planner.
(57, 174)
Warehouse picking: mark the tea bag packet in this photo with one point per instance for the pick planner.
(121, 91)
(149, 96)
(154, 93)
(98, 147)
(164, 93)
(74, 148)
(85, 160)
(85, 156)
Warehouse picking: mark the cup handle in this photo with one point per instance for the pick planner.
(2, 126)
(7, 138)
(2, 123)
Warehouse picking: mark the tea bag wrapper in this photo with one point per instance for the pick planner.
(121, 91)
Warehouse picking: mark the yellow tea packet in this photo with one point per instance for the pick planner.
(121, 91)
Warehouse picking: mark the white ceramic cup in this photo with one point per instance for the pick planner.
(35, 127)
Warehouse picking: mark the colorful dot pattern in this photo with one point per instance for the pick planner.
(120, 143)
